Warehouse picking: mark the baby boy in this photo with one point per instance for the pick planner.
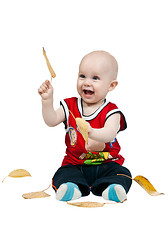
(96, 165)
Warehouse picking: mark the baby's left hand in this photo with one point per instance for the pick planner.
(94, 146)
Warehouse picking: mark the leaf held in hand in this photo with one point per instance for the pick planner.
(146, 185)
(49, 65)
(18, 173)
(83, 128)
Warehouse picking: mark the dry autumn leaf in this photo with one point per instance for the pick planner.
(49, 65)
(41, 194)
(87, 204)
(145, 184)
(91, 204)
(18, 173)
(83, 128)
(35, 195)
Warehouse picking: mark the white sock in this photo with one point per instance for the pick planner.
(114, 192)
(68, 191)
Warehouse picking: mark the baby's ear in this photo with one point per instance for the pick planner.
(113, 84)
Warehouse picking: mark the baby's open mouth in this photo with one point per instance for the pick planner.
(88, 92)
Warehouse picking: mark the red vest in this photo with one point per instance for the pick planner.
(76, 153)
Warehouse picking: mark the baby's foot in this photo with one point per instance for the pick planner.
(114, 192)
(68, 191)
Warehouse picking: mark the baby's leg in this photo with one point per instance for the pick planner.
(69, 183)
(110, 185)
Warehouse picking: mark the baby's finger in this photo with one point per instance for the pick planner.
(47, 82)
(45, 85)
(40, 91)
(44, 89)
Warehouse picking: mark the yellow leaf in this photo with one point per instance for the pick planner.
(146, 185)
(35, 195)
(83, 128)
(49, 65)
(41, 194)
(18, 173)
(91, 204)
(87, 204)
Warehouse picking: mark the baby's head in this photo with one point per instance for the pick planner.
(97, 76)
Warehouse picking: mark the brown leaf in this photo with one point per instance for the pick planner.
(146, 185)
(18, 173)
(31, 195)
(87, 204)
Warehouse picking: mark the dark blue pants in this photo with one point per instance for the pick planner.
(94, 178)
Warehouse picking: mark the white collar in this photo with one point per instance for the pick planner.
(93, 115)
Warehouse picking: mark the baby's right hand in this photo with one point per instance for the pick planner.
(46, 90)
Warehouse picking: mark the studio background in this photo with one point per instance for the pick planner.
(135, 33)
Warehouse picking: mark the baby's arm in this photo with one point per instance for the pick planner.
(108, 132)
(51, 117)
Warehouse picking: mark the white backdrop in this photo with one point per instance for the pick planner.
(135, 32)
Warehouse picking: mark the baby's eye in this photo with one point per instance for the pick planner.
(82, 76)
(96, 78)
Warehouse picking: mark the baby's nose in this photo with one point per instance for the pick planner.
(87, 82)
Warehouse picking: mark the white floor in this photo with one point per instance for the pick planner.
(140, 217)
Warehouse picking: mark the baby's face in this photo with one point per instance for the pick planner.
(95, 77)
